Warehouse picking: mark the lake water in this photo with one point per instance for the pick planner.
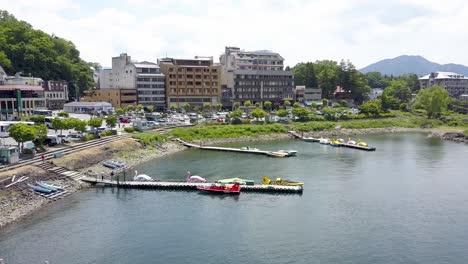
(405, 203)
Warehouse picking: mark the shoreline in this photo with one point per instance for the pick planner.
(25, 202)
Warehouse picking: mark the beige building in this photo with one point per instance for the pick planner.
(117, 97)
(20, 96)
(455, 84)
(191, 81)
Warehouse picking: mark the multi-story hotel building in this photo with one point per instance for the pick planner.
(256, 76)
(191, 81)
(455, 84)
(144, 77)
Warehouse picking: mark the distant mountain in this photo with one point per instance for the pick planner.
(412, 64)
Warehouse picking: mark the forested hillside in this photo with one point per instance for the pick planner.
(24, 49)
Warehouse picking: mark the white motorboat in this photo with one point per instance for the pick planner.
(289, 152)
(324, 141)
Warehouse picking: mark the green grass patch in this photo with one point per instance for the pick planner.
(465, 133)
(226, 131)
(149, 139)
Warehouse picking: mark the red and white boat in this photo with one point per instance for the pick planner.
(221, 188)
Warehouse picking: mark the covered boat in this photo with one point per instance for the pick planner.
(60, 188)
(236, 180)
(221, 188)
(39, 189)
(46, 186)
(324, 141)
(279, 181)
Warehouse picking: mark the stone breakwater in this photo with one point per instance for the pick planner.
(456, 137)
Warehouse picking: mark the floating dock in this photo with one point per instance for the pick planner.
(344, 145)
(186, 186)
(238, 150)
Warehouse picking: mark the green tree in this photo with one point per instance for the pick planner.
(95, 122)
(219, 107)
(282, 113)
(396, 93)
(186, 107)
(434, 100)
(372, 108)
(376, 80)
(257, 105)
(236, 105)
(248, 103)
(120, 111)
(41, 133)
(130, 108)
(304, 74)
(206, 107)
(196, 108)
(79, 125)
(327, 76)
(287, 103)
(150, 109)
(22, 133)
(267, 105)
(139, 107)
(258, 113)
(58, 124)
(314, 105)
(236, 114)
(324, 102)
(296, 105)
(300, 113)
(111, 121)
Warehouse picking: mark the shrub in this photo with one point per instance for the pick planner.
(129, 129)
(63, 114)
(88, 137)
(149, 139)
(246, 121)
(108, 133)
(236, 121)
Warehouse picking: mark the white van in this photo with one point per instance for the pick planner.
(54, 140)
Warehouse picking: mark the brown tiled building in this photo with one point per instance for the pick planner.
(117, 97)
(191, 81)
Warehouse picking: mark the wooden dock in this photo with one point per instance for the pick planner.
(187, 186)
(238, 150)
(316, 140)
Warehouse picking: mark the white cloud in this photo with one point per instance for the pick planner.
(300, 30)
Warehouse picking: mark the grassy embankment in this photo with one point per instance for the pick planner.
(226, 131)
(402, 119)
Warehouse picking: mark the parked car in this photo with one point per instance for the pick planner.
(64, 138)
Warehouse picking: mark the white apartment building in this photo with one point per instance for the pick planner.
(455, 84)
(145, 77)
(257, 76)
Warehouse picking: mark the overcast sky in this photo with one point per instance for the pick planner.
(363, 31)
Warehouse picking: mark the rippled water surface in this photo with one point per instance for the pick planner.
(405, 203)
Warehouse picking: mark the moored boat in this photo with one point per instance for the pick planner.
(280, 181)
(46, 186)
(249, 148)
(289, 152)
(324, 141)
(276, 154)
(221, 188)
(113, 164)
(141, 177)
(362, 144)
(310, 139)
(335, 143)
(60, 188)
(39, 189)
(236, 180)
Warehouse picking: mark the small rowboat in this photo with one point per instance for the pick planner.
(46, 186)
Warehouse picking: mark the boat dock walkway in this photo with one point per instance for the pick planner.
(316, 140)
(184, 186)
(238, 150)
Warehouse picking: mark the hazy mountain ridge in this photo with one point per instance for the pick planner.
(412, 64)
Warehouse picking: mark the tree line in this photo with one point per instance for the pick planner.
(38, 54)
(328, 74)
